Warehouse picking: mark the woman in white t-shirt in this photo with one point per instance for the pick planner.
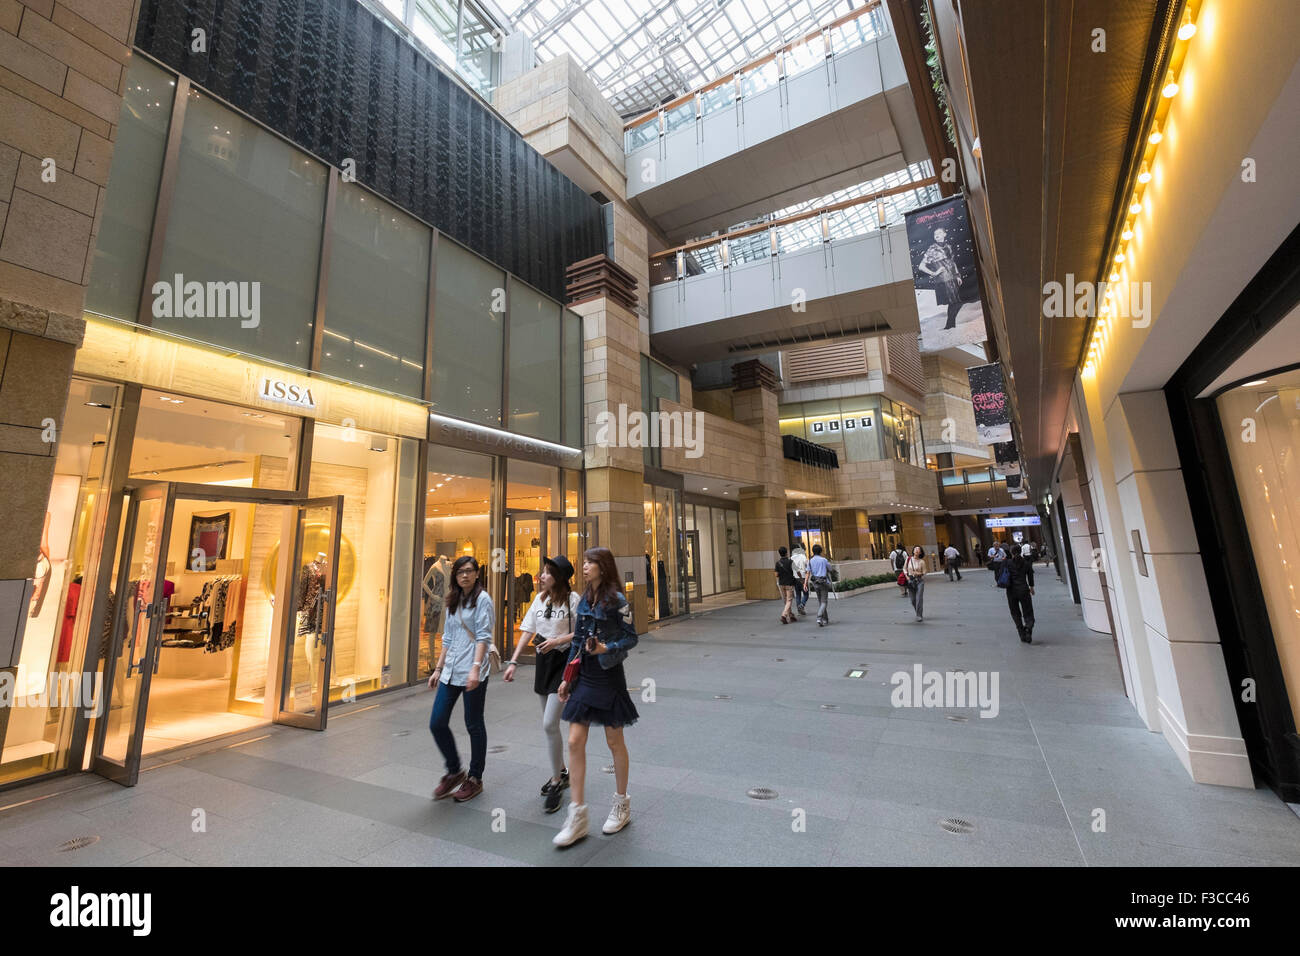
(549, 626)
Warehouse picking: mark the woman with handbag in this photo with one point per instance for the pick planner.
(595, 689)
(549, 624)
(915, 571)
(463, 671)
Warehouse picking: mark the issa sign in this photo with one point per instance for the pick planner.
(277, 391)
(1012, 522)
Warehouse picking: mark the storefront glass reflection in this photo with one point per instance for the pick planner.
(1262, 431)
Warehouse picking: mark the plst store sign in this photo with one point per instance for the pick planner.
(291, 393)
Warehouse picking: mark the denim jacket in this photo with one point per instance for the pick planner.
(612, 626)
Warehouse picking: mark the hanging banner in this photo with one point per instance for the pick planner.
(988, 394)
(942, 252)
(1007, 458)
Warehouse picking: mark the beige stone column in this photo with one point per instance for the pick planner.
(611, 363)
(62, 71)
(763, 526)
(918, 528)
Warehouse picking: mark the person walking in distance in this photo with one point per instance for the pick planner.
(800, 561)
(548, 624)
(995, 558)
(979, 555)
(1020, 592)
(819, 579)
(462, 671)
(915, 571)
(785, 584)
(602, 638)
(898, 557)
(952, 562)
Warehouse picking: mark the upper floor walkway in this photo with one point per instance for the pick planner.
(827, 111)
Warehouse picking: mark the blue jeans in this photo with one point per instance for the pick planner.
(800, 594)
(443, 705)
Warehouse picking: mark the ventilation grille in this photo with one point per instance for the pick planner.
(834, 360)
(905, 361)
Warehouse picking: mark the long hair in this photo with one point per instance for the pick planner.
(455, 594)
(560, 589)
(603, 593)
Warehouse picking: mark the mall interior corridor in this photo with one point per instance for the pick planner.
(740, 702)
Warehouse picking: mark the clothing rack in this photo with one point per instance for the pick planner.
(210, 621)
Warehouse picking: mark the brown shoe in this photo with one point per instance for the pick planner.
(448, 784)
(470, 789)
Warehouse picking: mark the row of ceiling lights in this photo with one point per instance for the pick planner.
(1101, 328)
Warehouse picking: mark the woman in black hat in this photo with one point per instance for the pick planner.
(549, 626)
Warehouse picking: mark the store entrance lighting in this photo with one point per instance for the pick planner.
(1170, 89)
(1187, 29)
(1119, 257)
(1155, 137)
(1127, 234)
(1145, 175)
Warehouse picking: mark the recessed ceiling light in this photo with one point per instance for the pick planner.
(1262, 381)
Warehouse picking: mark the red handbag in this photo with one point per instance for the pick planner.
(902, 579)
(571, 670)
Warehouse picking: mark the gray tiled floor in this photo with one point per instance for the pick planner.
(858, 781)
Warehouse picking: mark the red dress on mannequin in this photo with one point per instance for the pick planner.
(69, 619)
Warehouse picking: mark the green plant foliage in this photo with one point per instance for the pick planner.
(854, 583)
(936, 75)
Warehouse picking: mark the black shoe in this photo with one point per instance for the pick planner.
(562, 785)
(1029, 634)
(555, 796)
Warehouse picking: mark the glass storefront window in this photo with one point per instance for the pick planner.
(374, 475)
(376, 306)
(457, 521)
(792, 423)
(735, 576)
(248, 209)
(1268, 488)
(179, 438)
(533, 487)
(573, 410)
(861, 424)
(468, 336)
(572, 493)
(823, 422)
(664, 581)
(534, 390)
(123, 245)
(34, 738)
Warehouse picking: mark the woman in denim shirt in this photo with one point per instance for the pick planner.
(463, 669)
(603, 635)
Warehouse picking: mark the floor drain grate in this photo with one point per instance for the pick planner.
(609, 769)
(830, 706)
(78, 843)
(722, 697)
(956, 825)
(761, 793)
(498, 749)
(956, 718)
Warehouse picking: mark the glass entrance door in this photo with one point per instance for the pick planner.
(526, 548)
(692, 562)
(309, 617)
(139, 611)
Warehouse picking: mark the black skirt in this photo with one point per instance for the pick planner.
(601, 697)
(550, 671)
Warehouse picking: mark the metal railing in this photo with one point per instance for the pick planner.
(814, 227)
(857, 28)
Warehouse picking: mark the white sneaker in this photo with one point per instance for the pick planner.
(575, 826)
(619, 815)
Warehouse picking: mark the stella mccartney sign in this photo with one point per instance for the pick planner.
(494, 441)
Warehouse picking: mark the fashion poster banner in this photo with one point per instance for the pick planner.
(1007, 458)
(988, 394)
(944, 273)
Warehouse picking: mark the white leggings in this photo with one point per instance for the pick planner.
(551, 708)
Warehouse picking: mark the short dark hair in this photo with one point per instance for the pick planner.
(782, 551)
(817, 549)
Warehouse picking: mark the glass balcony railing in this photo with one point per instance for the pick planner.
(806, 229)
(855, 29)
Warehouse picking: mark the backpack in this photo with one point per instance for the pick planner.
(1004, 575)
